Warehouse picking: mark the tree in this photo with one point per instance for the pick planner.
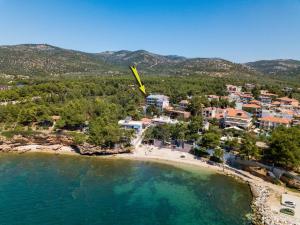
(178, 131)
(232, 144)
(195, 106)
(163, 132)
(106, 134)
(255, 92)
(218, 155)
(284, 147)
(248, 147)
(210, 140)
(152, 110)
(193, 127)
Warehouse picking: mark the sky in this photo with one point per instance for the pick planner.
(236, 30)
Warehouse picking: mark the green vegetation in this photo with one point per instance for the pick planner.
(284, 147)
(88, 108)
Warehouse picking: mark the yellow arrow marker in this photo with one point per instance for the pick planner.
(138, 79)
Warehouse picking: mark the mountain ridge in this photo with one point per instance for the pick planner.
(45, 59)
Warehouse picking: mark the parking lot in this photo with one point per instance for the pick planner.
(292, 198)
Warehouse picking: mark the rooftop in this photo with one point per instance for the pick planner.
(251, 106)
(275, 120)
(287, 99)
(162, 97)
(255, 102)
(237, 113)
(184, 102)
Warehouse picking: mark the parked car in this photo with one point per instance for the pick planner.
(289, 204)
(287, 211)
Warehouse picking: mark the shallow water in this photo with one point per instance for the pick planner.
(49, 189)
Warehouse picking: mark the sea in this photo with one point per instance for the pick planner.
(40, 189)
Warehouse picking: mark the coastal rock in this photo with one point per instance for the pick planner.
(52, 142)
(87, 149)
(262, 213)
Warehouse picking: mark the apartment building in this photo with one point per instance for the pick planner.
(254, 109)
(271, 122)
(237, 118)
(288, 102)
(159, 101)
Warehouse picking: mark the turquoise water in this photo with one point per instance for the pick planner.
(48, 189)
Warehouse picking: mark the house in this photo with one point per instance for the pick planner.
(268, 113)
(234, 97)
(233, 89)
(276, 104)
(4, 87)
(266, 100)
(271, 122)
(237, 118)
(254, 109)
(213, 113)
(177, 113)
(285, 113)
(256, 102)
(266, 97)
(246, 97)
(146, 122)
(131, 124)
(288, 102)
(267, 93)
(296, 120)
(249, 86)
(287, 89)
(159, 101)
(163, 120)
(183, 105)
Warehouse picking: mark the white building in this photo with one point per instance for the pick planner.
(237, 118)
(271, 122)
(233, 89)
(131, 124)
(164, 120)
(159, 101)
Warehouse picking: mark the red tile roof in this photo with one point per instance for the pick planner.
(255, 102)
(251, 106)
(275, 120)
(286, 99)
(237, 113)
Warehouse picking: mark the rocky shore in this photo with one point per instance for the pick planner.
(262, 213)
(55, 144)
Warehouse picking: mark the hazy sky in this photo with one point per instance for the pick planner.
(238, 30)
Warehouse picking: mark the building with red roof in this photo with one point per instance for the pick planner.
(237, 118)
(271, 122)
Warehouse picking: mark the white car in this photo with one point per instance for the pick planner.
(289, 204)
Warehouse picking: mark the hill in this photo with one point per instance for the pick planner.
(151, 63)
(42, 59)
(287, 68)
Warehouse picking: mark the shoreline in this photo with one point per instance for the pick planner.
(265, 195)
